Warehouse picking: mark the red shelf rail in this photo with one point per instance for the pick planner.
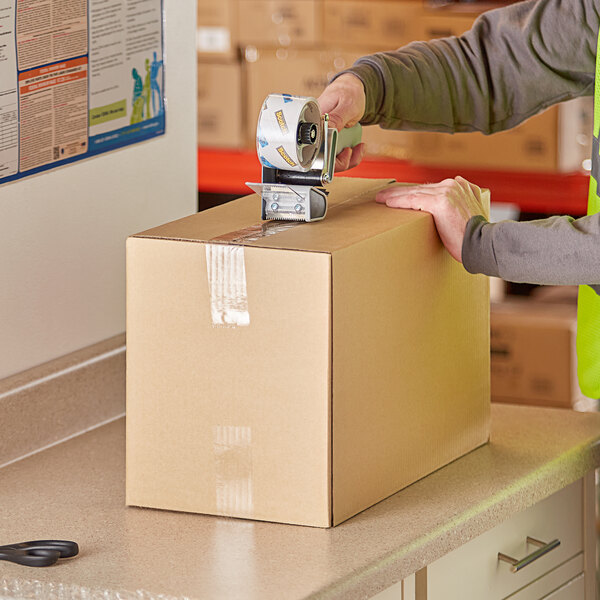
(226, 171)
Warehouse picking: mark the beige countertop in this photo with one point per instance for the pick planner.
(75, 490)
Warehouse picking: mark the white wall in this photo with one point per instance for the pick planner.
(62, 233)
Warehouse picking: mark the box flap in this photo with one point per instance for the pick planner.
(352, 216)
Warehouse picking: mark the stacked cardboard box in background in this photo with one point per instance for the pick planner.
(220, 89)
(533, 355)
(248, 49)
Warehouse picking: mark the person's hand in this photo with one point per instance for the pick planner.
(452, 203)
(344, 100)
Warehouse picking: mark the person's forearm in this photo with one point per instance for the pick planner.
(514, 62)
(553, 251)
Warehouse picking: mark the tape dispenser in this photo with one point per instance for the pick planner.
(297, 150)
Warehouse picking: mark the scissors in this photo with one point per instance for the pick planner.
(39, 553)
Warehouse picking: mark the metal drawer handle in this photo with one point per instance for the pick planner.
(543, 548)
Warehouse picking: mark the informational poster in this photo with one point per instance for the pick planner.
(77, 78)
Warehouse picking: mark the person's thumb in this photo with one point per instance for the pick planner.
(331, 102)
(337, 120)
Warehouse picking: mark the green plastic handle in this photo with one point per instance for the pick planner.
(349, 137)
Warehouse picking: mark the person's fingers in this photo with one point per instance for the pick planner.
(342, 160)
(414, 197)
(349, 158)
(333, 102)
(344, 101)
(328, 100)
(337, 119)
(358, 153)
(404, 190)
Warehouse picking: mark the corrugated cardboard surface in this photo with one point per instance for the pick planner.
(366, 342)
(410, 363)
(228, 421)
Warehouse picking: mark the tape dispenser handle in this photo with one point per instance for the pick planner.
(348, 137)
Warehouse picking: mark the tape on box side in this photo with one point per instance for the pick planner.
(226, 271)
(233, 467)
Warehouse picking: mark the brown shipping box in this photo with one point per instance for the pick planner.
(280, 22)
(220, 111)
(533, 354)
(299, 372)
(371, 26)
(556, 140)
(216, 34)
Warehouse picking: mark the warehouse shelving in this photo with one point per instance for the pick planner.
(226, 171)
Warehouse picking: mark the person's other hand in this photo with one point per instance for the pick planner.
(452, 203)
(344, 101)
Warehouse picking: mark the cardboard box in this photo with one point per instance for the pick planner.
(451, 19)
(556, 140)
(299, 372)
(440, 24)
(281, 22)
(371, 26)
(533, 353)
(292, 71)
(216, 35)
(220, 111)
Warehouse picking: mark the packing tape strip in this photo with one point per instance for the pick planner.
(226, 270)
(26, 589)
(277, 143)
(256, 232)
(233, 469)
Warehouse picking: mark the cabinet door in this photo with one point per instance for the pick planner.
(473, 571)
(392, 593)
(403, 590)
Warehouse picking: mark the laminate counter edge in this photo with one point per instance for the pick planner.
(67, 396)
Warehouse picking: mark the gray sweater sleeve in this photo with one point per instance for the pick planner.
(513, 63)
(526, 252)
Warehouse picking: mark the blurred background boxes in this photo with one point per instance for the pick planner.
(556, 140)
(287, 70)
(216, 35)
(533, 355)
(280, 22)
(371, 26)
(297, 46)
(220, 115)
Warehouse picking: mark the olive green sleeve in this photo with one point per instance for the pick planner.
(514, 62)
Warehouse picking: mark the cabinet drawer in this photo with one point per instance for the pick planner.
(545, 586)
(473, 570)
(574, 590)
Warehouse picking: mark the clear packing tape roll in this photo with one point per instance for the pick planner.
(289, 131)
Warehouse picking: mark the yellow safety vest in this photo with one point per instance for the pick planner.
(588, 311)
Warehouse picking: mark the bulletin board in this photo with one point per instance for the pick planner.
(77, 78)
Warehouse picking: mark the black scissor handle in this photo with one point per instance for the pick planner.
(30, 558)
(38, 553)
